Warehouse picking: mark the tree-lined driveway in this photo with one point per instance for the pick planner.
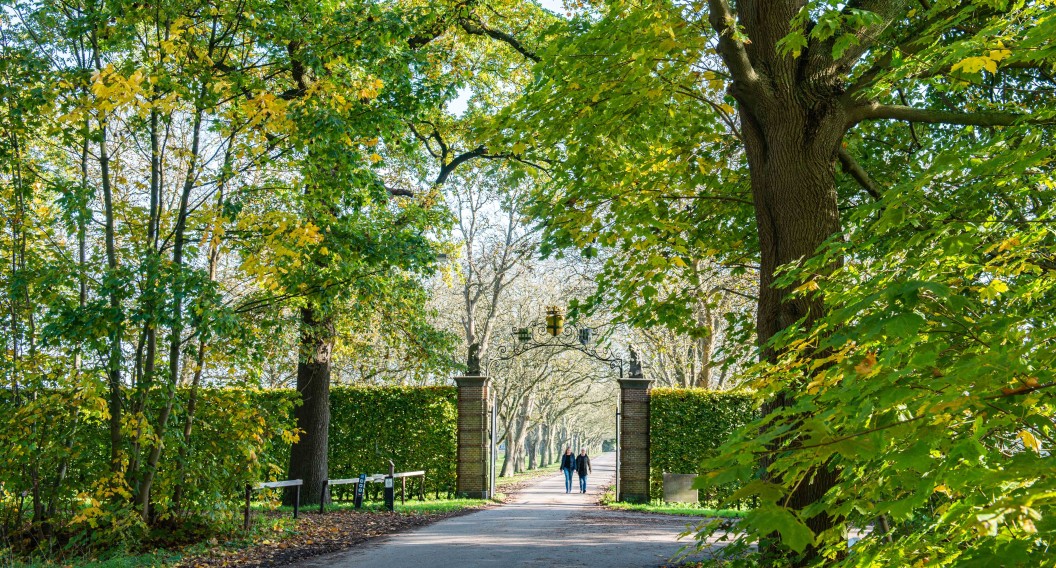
(541, 526)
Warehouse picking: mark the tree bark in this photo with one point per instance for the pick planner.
(308, 456)
(532, 441)
(791, 146)
(792, 123)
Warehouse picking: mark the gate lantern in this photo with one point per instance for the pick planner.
(555, 320)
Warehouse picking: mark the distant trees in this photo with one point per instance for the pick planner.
(497, 284)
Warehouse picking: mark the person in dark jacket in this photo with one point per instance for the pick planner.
(568, 465)
(583, 469)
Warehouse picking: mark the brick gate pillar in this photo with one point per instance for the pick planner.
(634, 440)
(473, 442)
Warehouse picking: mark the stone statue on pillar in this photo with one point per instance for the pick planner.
(635, 365)
(473, 361)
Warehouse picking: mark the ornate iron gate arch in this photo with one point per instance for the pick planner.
(477, 413)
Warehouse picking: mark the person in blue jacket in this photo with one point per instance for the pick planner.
(568, 465)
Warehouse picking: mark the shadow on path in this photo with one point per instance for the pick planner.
(540, 526)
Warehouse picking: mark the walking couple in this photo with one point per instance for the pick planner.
(580, 464)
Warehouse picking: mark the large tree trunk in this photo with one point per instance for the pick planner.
(533, 443)
(308, 456)
(792, 122)
(503, 472)
(791, 147)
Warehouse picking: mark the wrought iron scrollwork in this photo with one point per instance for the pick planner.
(539, 335)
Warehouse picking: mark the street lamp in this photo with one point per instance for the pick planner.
(524, 335)
(555, 320)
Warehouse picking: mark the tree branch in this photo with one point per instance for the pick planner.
(877, 111)
(447, 169)
(733, 53)
(851, 166)
(477, 27)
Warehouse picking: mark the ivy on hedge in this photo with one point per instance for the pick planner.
(688, 425)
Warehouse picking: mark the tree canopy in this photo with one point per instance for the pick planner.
(885, 169)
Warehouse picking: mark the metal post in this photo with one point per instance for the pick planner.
(617, 451)
(358, 499)
(249, 494)
(485, 480)
(494, 448)
(618, 397)
(297, 502)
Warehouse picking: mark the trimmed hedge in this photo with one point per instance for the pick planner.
(687, 426)
(416, 427)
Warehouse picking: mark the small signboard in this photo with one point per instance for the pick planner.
(359, 490)
(678, 488)
(390, 493)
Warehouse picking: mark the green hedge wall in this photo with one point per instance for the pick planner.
(687, 425)
(413, 426)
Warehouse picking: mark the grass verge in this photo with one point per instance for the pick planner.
(657, 506)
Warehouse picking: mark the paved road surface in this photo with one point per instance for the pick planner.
(542, 526)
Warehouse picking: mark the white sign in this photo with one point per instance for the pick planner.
(388, 483)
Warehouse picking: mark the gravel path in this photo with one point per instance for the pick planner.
(541, 526)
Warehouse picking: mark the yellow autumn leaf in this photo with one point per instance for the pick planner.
(999, 54)
(974, 64)
(867, 364)
(1030, 441)
(375, 158)
(1009, 244)
(979, 63)
(997, 287)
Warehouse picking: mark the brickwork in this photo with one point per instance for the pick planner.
(634, 440)
(473, 444)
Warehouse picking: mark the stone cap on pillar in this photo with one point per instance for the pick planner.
(636, 383)
(470, 381)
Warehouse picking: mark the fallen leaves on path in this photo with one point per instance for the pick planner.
(315, 535)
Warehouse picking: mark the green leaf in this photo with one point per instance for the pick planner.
(794, 533)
